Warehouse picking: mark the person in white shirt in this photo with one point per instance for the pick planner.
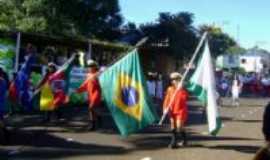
(236, 89)
(151, 86)
(159, 89)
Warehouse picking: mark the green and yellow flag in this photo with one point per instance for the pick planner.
(124, 91)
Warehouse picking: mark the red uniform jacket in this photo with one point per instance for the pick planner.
(179, 103)
(92, 87)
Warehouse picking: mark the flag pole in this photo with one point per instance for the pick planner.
(73, 56)
(138, 44)
(193, 57)
(184, 76)
(18, 44)
(141, 42)
(89, 51)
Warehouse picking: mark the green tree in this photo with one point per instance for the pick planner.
(174, 29)
(130, 33)
(91, 18)
(235, 50)
(219, 42)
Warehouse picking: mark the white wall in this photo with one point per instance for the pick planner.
(252, 63)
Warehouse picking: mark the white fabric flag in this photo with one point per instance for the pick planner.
(203, 86)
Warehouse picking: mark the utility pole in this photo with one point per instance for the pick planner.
(238, 34)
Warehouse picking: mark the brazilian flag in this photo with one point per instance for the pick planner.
(124, 90)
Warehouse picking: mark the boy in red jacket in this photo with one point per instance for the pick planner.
(92, 87)
(178, 108)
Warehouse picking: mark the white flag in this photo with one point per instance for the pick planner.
(203, 85)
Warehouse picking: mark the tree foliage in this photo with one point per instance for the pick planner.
(235, 50)
(130, 33)
(174, 29)
(90, 18)
(219, 42)
(101, 19)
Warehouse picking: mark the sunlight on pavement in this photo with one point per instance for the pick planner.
(146, 158)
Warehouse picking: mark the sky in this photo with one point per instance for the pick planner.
(247, 21)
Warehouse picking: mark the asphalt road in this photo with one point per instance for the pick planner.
(239, 139)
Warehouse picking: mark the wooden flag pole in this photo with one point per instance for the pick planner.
(183, 77)
(18, 45)
(59, 70)
(138, 44)
(141, 42)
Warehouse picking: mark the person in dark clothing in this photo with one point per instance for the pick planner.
(262, 154)
(4, 76)
(266, 123)
(3, 88)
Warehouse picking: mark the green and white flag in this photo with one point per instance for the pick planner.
(203, 85)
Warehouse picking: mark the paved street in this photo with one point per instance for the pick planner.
(239, 138)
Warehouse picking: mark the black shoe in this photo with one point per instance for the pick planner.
(91, 126)
(185, 143)
(173, 144)
(45, 120)
(59, 115)
(99, 122)
(7, 136)
(184, 136)
(47, 117)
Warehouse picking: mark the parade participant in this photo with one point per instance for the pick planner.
(151, 84)
(49, 72)
(57, 101)
(92, 87)
(177, 110)
(263, 153)
(4, 76)
(3, 89)
(224, 87)
(160, 87)
(20, 86)
(54, 87)
(266, 123)
(13, 95)
(236, 89)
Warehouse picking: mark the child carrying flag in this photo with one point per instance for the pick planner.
(92, 87)
(49, 72)
(177, 110)
(54, 88)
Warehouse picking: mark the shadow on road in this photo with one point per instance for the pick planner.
(248, 121)
(161, 141)
(38, 139)
(239, 148)
(41, 144)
